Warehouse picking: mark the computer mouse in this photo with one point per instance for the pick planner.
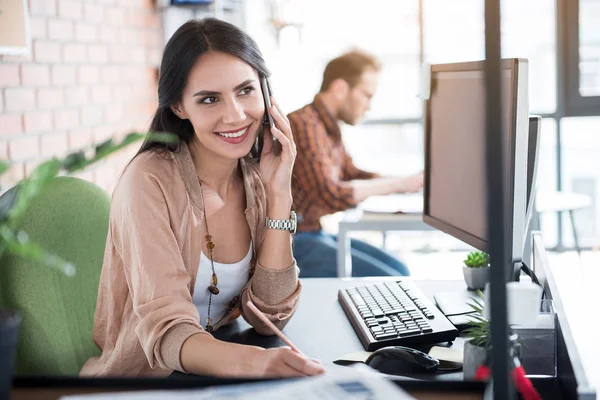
(398, 360)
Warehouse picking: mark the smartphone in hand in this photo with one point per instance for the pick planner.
(266, 92)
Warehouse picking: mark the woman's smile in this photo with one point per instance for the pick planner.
(235, 136)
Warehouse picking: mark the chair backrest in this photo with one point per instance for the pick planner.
(69, 218)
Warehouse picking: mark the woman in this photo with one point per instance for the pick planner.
(187, 245)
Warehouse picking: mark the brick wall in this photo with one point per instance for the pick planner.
(90, 75)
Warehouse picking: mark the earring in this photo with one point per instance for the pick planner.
(265, 119)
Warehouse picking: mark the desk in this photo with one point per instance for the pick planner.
(358, 220)
(330, 336)
(319, 328)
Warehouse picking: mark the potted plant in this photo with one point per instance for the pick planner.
(13, 206)
(479, 339)
(476, 270)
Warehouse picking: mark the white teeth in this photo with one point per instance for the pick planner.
(233, 135)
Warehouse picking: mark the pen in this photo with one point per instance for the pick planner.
(264, 319)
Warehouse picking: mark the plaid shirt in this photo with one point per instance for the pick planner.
(323, 167)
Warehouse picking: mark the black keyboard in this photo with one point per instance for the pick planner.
(394, 313)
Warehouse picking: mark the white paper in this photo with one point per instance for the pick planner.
(348, 383)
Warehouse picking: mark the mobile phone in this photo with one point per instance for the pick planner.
(266, 92)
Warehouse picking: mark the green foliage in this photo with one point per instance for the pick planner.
(15, 202)
(477, 259)
(479, 327)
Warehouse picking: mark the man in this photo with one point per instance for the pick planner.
(325, 178)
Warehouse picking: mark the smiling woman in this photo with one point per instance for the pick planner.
(188, 247)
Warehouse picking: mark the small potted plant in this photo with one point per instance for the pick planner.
(476, 270)
(479, 339)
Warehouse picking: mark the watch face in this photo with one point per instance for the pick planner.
(294, 219)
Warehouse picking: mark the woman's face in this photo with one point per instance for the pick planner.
(223, 101)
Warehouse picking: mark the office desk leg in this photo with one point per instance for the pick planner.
(344, 255)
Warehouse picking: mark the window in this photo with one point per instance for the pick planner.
(581, 53)
(589, 48)
(580, 174)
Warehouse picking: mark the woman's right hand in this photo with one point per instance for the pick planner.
(283, 362)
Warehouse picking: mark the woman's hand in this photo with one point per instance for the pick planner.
(276, 170)
(283, 362)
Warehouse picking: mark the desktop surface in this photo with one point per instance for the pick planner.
(319, 328)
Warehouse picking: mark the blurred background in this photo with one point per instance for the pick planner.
(87, 72)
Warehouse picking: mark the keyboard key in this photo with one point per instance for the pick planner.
(382, 336)
(410, 332)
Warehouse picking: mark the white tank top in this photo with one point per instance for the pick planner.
(232, 278)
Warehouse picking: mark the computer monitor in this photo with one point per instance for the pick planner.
(533, 151)
(455, 190)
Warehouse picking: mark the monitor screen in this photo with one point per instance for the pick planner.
(455, 151)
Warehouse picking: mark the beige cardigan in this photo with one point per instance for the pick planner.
(144, 311)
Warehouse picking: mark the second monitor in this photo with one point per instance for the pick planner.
(455, 191)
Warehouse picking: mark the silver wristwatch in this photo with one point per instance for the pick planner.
(283, 224)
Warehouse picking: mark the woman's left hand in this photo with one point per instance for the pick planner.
(276, 170)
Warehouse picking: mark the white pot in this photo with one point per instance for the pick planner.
(476, 278)
(473, 357)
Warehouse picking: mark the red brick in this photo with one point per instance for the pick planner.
(120, 54)
(3, 153)
(15, 173)
(93, 12)
(151, 38)
(154, 57)
(111, 74)
(38, 27)
(76, 96)
(115, 16)
(148, 4)
(91, 115)
(74, 53)
(109, 34)
(85, 32)
(19, 99)
(71, 9)
(98, 54)
(63, 75)
(135, 18)
(20, 148)
(37, 121)
(10, 124)
(59, 29)
(101, 94)
(114, 112)
(130, 36)
(80, 138)
(42, 7)
(66, 119)
(35, 75)
(50, 98)
(9, 75)
(138, 55)
(89, 74)
(122, 92)
(103, 132)
(54, 144)
(46, 51)
(105, 176)
(86, 174)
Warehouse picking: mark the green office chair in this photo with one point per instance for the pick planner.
(69, 218)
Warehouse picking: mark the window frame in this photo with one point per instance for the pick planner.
(574, 104)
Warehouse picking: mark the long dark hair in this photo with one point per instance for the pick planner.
(190, 41)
